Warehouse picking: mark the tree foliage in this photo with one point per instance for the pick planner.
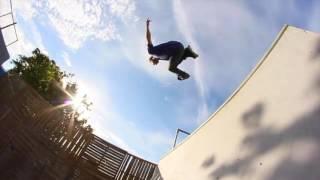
(41, 73)
(46, 77)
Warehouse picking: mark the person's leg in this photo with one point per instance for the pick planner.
(175, 60)
(188, 52)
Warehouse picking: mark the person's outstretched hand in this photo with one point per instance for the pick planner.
(154, 60)
(148, 22)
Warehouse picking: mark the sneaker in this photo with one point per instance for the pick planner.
(183, 76)
(191, 52)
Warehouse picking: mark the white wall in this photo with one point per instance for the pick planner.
(269, 129)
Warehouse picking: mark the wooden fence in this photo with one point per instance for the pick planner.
(36, 142)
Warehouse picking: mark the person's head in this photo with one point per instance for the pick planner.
(154, 60)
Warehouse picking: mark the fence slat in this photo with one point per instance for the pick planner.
(33, 133)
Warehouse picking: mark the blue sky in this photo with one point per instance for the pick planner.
(138, 106)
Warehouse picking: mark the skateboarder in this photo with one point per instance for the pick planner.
(172, 51)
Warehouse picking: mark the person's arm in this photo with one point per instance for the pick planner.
(148, 34)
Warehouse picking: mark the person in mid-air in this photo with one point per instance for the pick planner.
(172, 51)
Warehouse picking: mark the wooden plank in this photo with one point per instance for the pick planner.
(151, 171)
(122, 167)
(44, 136)
(109, 144)
(109, 170)
(96, 149)
(141, 170)
(108, 164)
(116, 152)
(113, 158)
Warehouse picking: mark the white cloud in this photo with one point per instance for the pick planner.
(230, 38)
(27, 40)
(24, 45)
(233, 35)
(84, 21)
(313, 22)
(203, 113)
(187, 31)
(66, 59)
(225, 18)
(25, 8)
(76, 21)
(125, 9)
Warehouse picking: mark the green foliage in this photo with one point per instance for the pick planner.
(42, 73)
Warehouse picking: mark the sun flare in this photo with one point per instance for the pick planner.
(82, 101)
(75, 102)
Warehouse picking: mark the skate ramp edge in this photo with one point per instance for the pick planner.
(268, 128)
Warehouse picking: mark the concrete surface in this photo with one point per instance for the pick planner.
(268, 129)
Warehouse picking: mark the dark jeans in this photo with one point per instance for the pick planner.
(176, 59)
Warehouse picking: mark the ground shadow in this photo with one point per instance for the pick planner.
(208, 162)
(264, 141)
(303, 161)
(252, 118)
(316, 52)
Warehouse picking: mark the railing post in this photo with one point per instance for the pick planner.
(12, 24)
(179, 130)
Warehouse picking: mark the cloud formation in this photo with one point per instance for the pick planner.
(66, 59)
(76, 21)
(29, 39)
(231, 36)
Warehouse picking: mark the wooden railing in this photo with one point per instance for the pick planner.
(36, 142)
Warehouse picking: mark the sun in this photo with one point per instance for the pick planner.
(82, 101)
(74, 101)
(78, 106)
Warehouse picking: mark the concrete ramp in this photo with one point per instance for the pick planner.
(268, 129)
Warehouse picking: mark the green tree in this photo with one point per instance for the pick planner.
(41, 73)
(46, 77)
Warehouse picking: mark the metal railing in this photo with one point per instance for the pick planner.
(177, 133)
(11, 24)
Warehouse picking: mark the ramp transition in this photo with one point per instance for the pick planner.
(268, 129)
